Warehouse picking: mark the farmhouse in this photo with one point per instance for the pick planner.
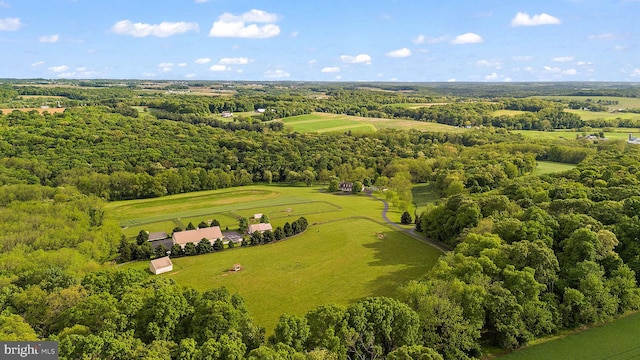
(259, 227)
(155, 236)
(212, 234)
(161, 265)
(633, 140)
(346, 186)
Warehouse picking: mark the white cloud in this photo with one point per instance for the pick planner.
(4, 4)
(37, 63)
(551, 69)
(202, 1)
(400, 53)
(584, 63)
(203, 60)
(332, 69)
(562, 59)
(606, 36)
(468, 38)
(189, 76)
(522, 58)
(295, 34)
(523, 19)
(338, 77)
(451, 80)
(490, 63)
(165, 67)
(635, 73)
(236, 26)
(570, 72)
(312, 61)
(182, 64)
(10, 24)
(234, 61)
(164, 29)
(59, 69)
(358, 59)
(219, 68)
(491, 77)
(276, 74)
(619, 48)
(49, 39)
(420, 39)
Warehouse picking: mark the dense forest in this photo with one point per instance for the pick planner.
(532, 254)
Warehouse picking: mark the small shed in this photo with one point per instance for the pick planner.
(236, 267)
(257, 216)
(161, 265)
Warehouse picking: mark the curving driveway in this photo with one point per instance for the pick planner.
(411, 232)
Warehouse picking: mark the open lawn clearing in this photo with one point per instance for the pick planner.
(416, 105)
(422, 196)
(279, 203)
(299, 123)
(616, 340)
(548, 167)
(336, 262)
(619, 134)
(126, 210)
(509, 112)
(623, 102)
(596, 115)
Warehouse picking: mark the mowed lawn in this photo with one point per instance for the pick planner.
(617, 340)
(548, 167)
(280, 203)
(619, 134)
(323, 122)
(347, 253)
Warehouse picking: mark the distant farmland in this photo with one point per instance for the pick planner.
(322, 122)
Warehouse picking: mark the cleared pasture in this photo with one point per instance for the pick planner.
(335, 262)
(619, 134)
(597, 115)
(616, 340)
(623, 102)
(346, 254)
(548, 167)
(323, 122)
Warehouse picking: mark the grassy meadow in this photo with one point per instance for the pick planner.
(322, 122)
(548, 167)
(338, 262)
(618, 134)
(347, 253)
(616, 340)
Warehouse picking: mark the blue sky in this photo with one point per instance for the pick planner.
(331, 40)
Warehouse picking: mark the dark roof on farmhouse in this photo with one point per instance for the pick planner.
(160, 235)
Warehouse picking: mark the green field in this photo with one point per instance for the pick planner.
(337, 262)
(623, 102)
(597, 115)
(619, 134)
(508, 112)
(617, 340)
(548, 167)
(347, 253)
(322, 122)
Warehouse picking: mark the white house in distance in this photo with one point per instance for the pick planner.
(194, 236)
(259, 227)
(161, 265)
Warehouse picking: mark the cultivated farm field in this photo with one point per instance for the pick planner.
(323, 122)
(347, 253)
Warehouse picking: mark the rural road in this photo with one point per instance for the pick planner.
(411, 232)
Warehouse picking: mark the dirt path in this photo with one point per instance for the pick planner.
(411, 232)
